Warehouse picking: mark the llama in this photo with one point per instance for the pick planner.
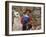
(17, 22)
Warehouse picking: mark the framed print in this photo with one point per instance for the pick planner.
(24, 18)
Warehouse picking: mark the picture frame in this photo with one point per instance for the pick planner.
(9, 7)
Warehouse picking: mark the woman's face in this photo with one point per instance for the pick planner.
(27, 12)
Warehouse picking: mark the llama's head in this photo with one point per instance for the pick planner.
(16, 14)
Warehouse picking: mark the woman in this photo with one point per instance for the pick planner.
(26, 19)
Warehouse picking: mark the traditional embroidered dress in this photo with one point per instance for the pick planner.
(25, 20)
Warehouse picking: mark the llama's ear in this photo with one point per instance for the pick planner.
(14, 11)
